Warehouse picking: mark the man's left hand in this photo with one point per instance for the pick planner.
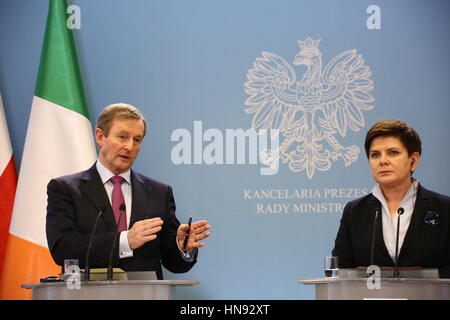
(198, 232)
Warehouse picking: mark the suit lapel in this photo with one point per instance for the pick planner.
(420, 207)
(141, 193)
(92, 187)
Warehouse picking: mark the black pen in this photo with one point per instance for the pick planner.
(186, 236)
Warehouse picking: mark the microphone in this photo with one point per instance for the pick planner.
(87, 268)
(110, 269)
(374, 230)
(400, 211)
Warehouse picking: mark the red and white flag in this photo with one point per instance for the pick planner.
(8, 183)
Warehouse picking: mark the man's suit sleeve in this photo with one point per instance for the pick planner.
(63, 224)
(343, 243)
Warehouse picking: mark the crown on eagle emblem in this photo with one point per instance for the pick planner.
(309, 45)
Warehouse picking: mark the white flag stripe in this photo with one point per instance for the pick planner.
(5, 143)
(56, 136)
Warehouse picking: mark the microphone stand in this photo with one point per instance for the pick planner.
(374, 229)
(87, 268)
(109, 275)
(400, 211)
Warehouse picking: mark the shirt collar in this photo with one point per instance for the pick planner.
(411, 195)
(106, 174)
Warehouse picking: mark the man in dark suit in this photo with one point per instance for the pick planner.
(368, 231)
(140, 208)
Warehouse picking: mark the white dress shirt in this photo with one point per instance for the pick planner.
(390, 225)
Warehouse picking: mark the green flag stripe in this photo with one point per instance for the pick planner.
(59, 78)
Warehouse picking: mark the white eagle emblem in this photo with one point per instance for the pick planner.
(309, 112)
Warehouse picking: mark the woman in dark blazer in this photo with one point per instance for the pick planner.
(368, 231)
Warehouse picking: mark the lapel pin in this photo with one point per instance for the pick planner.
(432, 218)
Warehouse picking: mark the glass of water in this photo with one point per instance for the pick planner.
(331, 266)
(70, 267)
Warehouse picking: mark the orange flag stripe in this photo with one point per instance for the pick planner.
(25, 262)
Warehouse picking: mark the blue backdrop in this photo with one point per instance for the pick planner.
(185, 61)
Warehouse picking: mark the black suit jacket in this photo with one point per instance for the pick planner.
(73, 204)
(424, 245)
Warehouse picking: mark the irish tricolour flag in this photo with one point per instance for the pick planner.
(59, 141)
